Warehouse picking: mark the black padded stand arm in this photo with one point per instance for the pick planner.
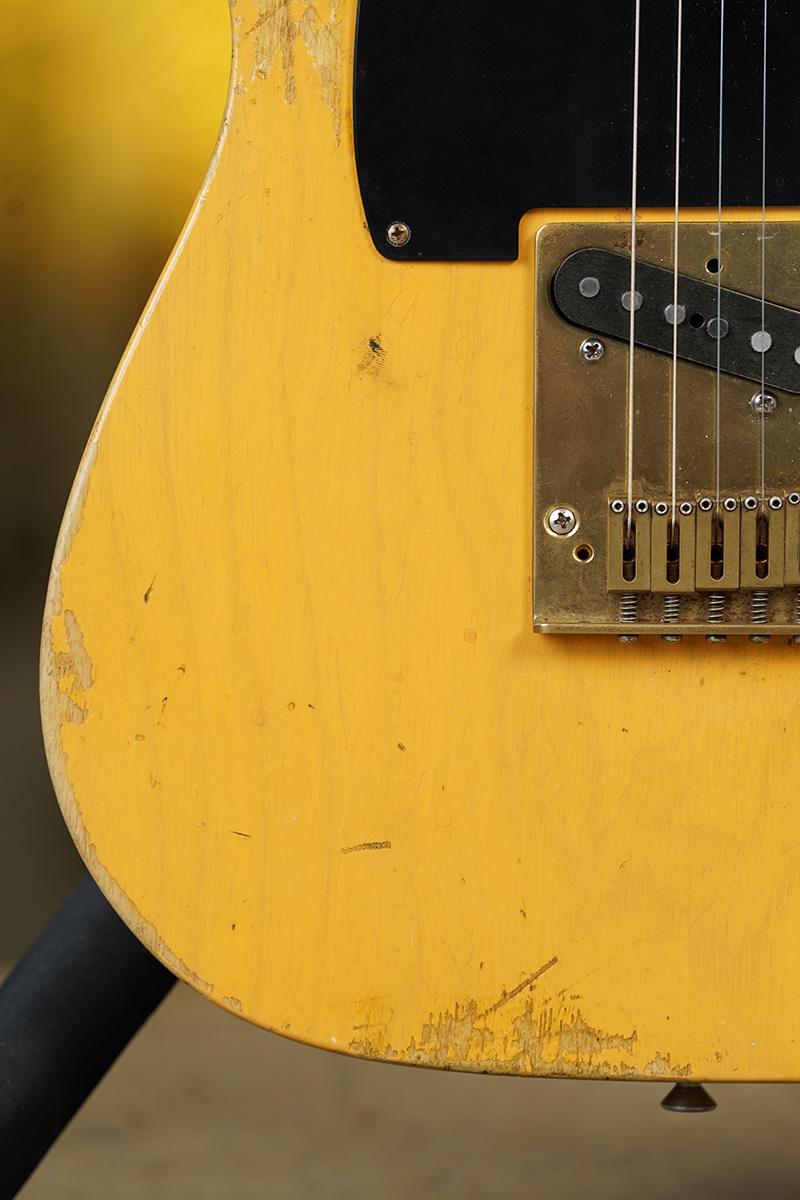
(67, 1011)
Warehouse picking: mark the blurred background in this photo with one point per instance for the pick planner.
(109, 116)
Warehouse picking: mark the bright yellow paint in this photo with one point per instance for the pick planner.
(300, 725)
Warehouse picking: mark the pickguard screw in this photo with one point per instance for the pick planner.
(562, 521)
(592, 350)
(764, 402)
(398, 234)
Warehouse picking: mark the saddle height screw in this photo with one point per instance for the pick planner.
(592, 350)
(398, 234)
(562, 521)
(764, 402)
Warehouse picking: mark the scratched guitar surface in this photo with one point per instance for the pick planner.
(298, 720)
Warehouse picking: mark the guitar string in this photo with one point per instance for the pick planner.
(763, 252)
(675, 322)
(634, 196)
(719, 240)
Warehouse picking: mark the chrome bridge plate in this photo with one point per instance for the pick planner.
(717, 554)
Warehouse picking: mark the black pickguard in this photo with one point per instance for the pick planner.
(470, 113)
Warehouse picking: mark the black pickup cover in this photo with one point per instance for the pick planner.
(604, 314)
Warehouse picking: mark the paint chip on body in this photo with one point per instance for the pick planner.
(366, 846)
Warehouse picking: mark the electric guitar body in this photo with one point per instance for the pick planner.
(334, 693)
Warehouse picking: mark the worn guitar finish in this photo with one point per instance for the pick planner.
(299, 721)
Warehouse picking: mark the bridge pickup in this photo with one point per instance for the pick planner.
(591, 289)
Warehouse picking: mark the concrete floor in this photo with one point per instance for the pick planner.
(202, 1105)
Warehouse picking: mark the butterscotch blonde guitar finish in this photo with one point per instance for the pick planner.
(298, 719)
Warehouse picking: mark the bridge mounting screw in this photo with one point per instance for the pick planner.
(642, 506)
(592, 350)
(775, 502)
(686, 508)
(730, 504)
(706, 504)
(793, 498)
(618, 506)
(750, 503)
(398, 234)
(661, 507)
(764, 402)
(562, 521)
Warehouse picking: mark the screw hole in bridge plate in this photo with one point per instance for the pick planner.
(583, 554)
(713, 267)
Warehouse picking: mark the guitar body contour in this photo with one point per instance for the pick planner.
(299, 721)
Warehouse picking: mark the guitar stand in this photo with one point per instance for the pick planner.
(67, 1010)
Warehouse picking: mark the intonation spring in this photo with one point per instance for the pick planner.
(758, 608)
(716, 608)
(628, 607)
(672, 609)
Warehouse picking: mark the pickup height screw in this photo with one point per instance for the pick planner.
(592, 350)
(562, 521)
(764, 402)
(398, 233)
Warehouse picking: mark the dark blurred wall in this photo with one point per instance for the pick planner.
(108, 120)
